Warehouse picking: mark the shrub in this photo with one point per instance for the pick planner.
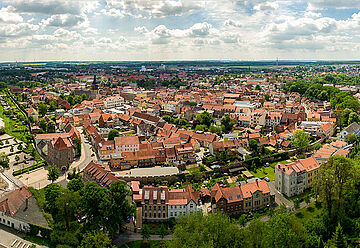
(30, 168)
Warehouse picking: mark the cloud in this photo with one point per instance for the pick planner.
(53, 7)
(64, 20)
(232, 23)
(18, 30)
(338, 4)
(7, 16)
(142, 8)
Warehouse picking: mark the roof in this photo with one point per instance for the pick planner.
(352, 128)
(250, 188)
(12, 202)
(126, 140)
(155, 171)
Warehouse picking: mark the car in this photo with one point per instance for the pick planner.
(266, 179)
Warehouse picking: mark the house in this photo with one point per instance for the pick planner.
(127, 144)
(18, 209)
(290, 179)
(98, 173)
(33, 113)
(353, 128)
(242, 198)
(258, 118)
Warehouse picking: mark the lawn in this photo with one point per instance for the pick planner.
(267, 171)
(139, 244)
(309, 212)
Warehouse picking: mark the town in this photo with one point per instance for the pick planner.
(145, 153)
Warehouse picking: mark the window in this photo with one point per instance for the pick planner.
(163, 215)
(145, 215)
(150, 207)
(150, 214)
(163, 208)
(145, 207)
(171, 214)
(159, 208)
(159, 215)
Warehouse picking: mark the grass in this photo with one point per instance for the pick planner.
(267, 171)
(194, 170)
(140, 244)
(309, 212)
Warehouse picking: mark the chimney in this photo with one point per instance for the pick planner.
(26, 203)
(257, 183)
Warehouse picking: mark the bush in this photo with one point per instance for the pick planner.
(30, 168)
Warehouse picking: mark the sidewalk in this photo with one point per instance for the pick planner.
(7, 239)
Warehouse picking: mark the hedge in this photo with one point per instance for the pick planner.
(44, 231)
(30, 168)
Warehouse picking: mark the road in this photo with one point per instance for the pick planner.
(38, 178)
(279, 198)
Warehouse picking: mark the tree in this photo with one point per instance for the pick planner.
(257, 87)
(43, 125)
(350, 138)
(213, 230)
(297, 203)
(4, 160)
(162, 231)
(51, 127)
(95, 202)
(119, 208)
(95, 239)
(52, 192)
(253, 145)
(43, 108)
(300, 140)
(112, 134)
(78, 146)
(204, 118)
(75, 184)
(84, 97)
(20, 147)
(145, 232)
(338, 239)
(17, 158)
(353, 117)
(53, 173)
(335, 181)
(227, 123)
(67, 204)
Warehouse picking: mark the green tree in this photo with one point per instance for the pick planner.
(267, 97)
(112, 134)
(4, 160)
(119, 208)
(20, 147)
(253, 145)
(43, 125)
(162, 231)
(204, 118)
(350, 138)
(335, 181)
(212, 230)
(53, 173)
(78, 146)
(51, 127)
(145, 232)
(67, 205)
(52, 192)
(227, 123)
(95, 202)
(95, 239)
(300, 140)
(353, 117)
(75, 184)
(17, 158)
(257, 87)
(84, 97)
(339, 240)
(43, 108)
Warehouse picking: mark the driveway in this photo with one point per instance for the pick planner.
(279, 198)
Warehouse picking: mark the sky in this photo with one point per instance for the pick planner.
(122, 30)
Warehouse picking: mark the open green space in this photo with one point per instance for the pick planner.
(309, 212)
(267, 171)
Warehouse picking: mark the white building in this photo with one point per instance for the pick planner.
(113, 102)
(290, 179)
(127, 144)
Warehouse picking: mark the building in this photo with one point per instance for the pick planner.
(353, 128)
(18, 209)
(244, 198)
(290, 179)
(127, 144)
(113, 102)
(258, 118)
(97, 173)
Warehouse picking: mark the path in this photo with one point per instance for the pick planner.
(279, 198)
(7, 238)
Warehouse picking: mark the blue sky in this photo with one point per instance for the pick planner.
(40, 30)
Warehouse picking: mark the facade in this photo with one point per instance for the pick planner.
(244, 198)
(290, 179)
(127, 144)
(113, 102)
(258, 118)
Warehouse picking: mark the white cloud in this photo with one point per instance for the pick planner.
(151, 8)
(18, 30)
(232, 23)
(338, 4)
(7, 15)
(64, 20)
